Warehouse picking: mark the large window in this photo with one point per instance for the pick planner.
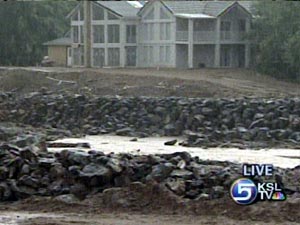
(98, 57)
(98, 13)
(75, 34)
(131, 33)
(113, 56)
(113, 32)
(98, 33)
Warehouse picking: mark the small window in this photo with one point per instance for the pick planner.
(151, 31)
(112, 16)
(75, 16)
(98, 33)
(151, 54)
(161, 53)
(98, 13)
(75, 33)
(113, 32)
(81, 14)
(168, 53)
(81, 34)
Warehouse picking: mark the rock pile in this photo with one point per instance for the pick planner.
(25, 172)
(206, 122)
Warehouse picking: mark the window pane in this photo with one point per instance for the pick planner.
(113, 33)
(242, 25)
(81, 34)
(150, 15)
(98, 57)
(131, 33)
(113, 56)
(167, 55)
(98, 13)
(98, 33)
(161, 53)
(75, 16)
(112, 16)
(151, 31)
(81, 13)
(75, 34)
(168, 31)
(163, 14)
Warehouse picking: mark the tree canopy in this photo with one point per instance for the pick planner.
(26, 25)
(276, 35)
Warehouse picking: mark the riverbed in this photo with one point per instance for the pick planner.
(285, 158)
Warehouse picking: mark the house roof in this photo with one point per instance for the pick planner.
(126, 9)
(202, 9)
(64, 41)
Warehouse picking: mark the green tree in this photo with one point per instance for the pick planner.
(276, 36)
(25, 25)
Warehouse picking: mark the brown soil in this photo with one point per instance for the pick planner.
(149, 82)
(151, 204)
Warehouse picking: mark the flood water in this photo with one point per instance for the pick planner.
(285, 158)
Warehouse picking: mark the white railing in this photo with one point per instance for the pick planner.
(200, 36)
(182, 36)
(210, 36)
(233, 35)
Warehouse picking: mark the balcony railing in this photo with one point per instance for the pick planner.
(211, 36)
(200, 36)
(233, 35)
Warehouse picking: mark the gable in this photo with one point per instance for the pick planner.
(235, 11)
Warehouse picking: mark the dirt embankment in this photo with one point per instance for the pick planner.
(148, 82)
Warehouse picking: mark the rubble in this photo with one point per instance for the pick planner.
(246, 123)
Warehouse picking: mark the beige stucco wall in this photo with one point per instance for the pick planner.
(58, 54)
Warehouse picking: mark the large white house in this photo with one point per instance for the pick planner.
(181, 34)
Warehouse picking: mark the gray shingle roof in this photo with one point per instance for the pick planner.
(65, 41)
(122, 8)
(211, 8)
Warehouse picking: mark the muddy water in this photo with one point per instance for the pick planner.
(16, 218)
(285, 158)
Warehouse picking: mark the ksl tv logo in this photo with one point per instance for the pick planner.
(245, 192)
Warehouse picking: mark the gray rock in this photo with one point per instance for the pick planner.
(182, 173)
(177, 186)
(67, 199)
(160, 172)
(172, 142)
(124, 131)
